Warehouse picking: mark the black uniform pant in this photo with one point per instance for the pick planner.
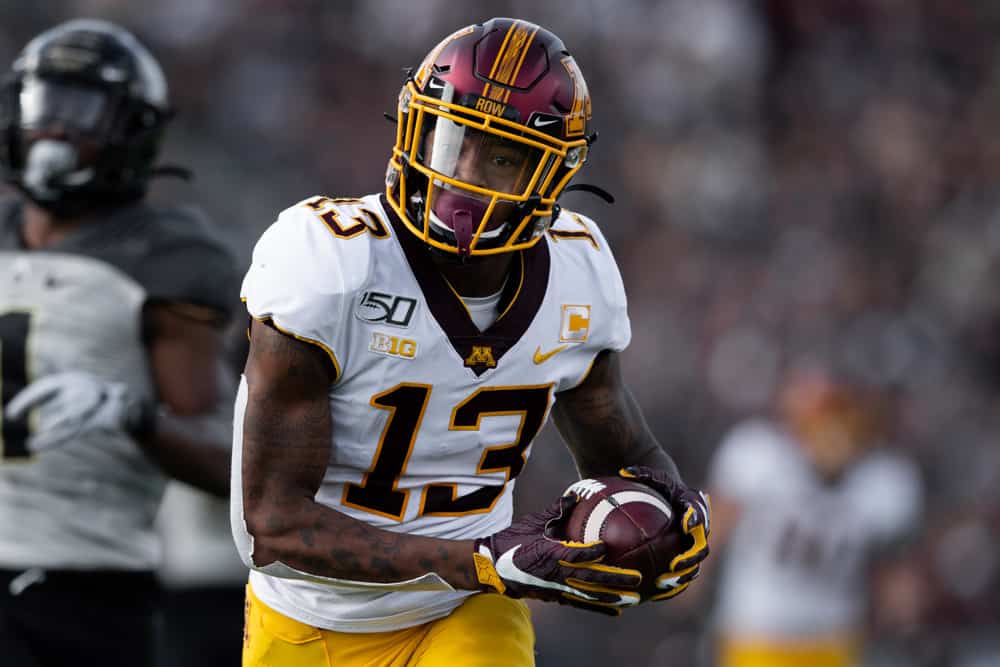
(57, 618)
(203, 626)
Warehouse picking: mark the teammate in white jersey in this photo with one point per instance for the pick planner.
(406, 349)
(805, 506)
(109, 348)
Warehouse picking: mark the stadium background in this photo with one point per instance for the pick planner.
(794, 180)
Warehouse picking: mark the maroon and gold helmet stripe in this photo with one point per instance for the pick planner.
(509, 59)
(520, 62)
(497, 60)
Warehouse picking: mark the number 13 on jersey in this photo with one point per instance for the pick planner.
(407, 403)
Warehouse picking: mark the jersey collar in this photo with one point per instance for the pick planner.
(521, 299)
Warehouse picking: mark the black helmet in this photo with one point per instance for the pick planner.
(87, 80)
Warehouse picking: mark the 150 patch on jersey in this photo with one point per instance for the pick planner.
(383, 308)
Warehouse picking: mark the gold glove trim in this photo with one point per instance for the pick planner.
(486, 573)
(626, 598)
(700, 543)
(610, 569)
(672, 593)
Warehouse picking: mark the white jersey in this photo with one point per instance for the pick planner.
(433, 419)
(796, 564)
(89, 504)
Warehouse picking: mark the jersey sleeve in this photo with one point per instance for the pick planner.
(614, 330)
(582, 245)
(894, 498)
(188, 263)
(303, 280)
(745, 461)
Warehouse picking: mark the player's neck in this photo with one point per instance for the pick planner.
(482, 276)
(43, 228)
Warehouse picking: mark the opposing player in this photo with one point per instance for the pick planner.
(109, 346)
(406, 349)
(806, 506)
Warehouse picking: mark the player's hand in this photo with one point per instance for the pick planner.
(528, 560)
(695, 509)
(72, 403)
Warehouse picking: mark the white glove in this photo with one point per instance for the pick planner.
(72, 403)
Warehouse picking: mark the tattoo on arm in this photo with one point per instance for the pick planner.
(287, 436)
(603, 425)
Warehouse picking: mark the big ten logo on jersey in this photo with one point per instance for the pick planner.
(575, 327)
(383, 308)
(392, 346)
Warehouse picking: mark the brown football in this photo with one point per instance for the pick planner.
(635, 523)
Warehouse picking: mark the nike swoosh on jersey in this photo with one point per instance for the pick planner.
(541, 357)
(541, 122)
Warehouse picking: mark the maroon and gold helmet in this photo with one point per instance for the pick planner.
(491, 128)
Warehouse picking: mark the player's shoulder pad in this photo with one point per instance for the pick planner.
(751, 453)
(576, 233)
(896, 480)
(178, 255)
(754, 438)
(577, 242)
(309, 263)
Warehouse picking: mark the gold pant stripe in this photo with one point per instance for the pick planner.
(485, 631)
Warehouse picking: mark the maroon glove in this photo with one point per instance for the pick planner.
(695, 509)
(528, 560)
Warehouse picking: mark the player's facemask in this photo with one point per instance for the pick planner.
(60, 113)
(483, 184)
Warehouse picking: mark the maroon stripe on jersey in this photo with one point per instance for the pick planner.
(526, 290)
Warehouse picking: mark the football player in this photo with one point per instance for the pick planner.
(406, 348)
(806, 506)
(110, 314)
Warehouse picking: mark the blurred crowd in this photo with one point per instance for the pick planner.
(796, 183)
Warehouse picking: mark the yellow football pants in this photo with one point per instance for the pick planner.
(485, 631)
(767, 654)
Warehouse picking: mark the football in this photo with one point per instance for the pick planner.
(635, 523)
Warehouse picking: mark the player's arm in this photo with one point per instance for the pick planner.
(607, 434)
(603, 426)
(184, 429)
(287, 431)
(189, 438)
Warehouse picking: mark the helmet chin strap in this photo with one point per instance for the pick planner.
(461, 225)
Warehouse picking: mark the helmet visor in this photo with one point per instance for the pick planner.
(47, 103)
(492, 165)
